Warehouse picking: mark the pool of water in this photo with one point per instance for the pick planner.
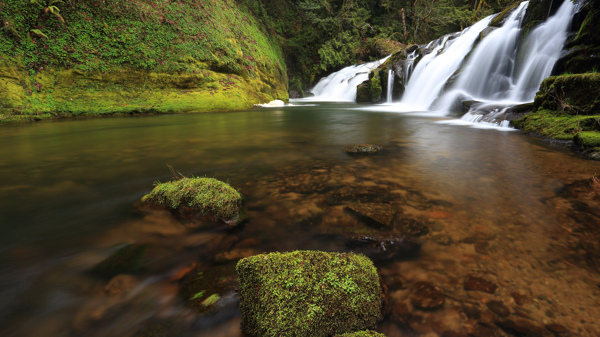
(500, 205)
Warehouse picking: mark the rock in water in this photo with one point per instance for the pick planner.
(473, 282)
(206, 196)
(385, 247)
(374, 214)
(427, 296)
(362, 149)
(308, 293)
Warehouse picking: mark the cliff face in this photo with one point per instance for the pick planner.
(66, 58)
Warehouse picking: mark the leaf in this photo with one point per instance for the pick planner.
(39, 33)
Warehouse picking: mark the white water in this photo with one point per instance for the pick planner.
(432, 72)
(341, 85)
(390, 85)
(497, 73)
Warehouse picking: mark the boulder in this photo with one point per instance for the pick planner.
(308, 293)
(204, 196)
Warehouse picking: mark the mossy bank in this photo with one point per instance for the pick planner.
(62, 59)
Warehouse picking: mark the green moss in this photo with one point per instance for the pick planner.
(375, 86)
(553, 124)
(501, 17)
(363, 92)
(368, 333)
(205, 195)
(587, 139)
(125, 260)
(308, 293)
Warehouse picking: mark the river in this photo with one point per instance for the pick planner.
(503, 205)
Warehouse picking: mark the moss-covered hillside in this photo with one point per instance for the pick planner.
(67, 58)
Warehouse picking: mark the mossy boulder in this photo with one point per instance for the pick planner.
(308, 293)
(367, 333)
(363, 92)
(375, 86)
(587, 139)
(575, 94)
(499, 20)
(208, 196)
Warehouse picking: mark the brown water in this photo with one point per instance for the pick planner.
(500, 205)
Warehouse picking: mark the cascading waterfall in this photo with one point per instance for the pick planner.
(390, 85)
(498, 77)
(501, 71)
(341, 85)
(432, 72)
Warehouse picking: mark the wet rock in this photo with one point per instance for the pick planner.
(234, 255)
(439, 215)
(417, 200)
(476, 283)
(557, 329)
(204, 289)
(362, 149)
(427, 296)
(125, 260)
(361, 194)
(472, 311)
(498, 308)
(374, 214)
(401, 312)
(385, 247)
(522, 327)
(411, 227)
(420, 324)
(521, 299)
(442, 239)
(481, 247)
(120, 285)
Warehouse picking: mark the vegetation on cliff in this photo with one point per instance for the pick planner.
(62, 58)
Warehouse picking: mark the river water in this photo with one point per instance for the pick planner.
(503, 206)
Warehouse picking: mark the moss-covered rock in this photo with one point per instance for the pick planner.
(125, 260)
(587, 139)
(577, 94)
(207, 196)
(362, 149)
(363, 92)
(499, 20)
(367, 333)
(375, 86)
(308, 293)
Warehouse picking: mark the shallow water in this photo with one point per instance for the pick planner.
(494, 202)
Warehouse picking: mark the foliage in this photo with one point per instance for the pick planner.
(308, 293)
(207, 195)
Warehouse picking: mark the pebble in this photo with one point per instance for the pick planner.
(427, 296)
(498, 308)
(473, 282)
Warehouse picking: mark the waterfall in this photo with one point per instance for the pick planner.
(500, 72)
(341, 85)
(500, 76)
(390, 85)
(432, 72)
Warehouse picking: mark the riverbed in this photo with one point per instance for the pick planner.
(503, 207)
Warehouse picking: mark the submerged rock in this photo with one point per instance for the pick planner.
(473, 282)
(206, 196)
(427, 296)
(125, 260)
(362, 149)
(374, 214)
(308, 293)
(385, 247)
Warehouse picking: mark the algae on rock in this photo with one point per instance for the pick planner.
(208, 196)
(308, 293)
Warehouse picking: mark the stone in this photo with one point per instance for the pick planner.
(385, 247)
(476, 283)
(374, 214)
(362, 149)
(521, 299)
(121, 285)
(439, 215)
(411, 227)
(234, 254)
(125, 260)
(442, 239)
(498, 308)
(308, 293)
(523, 327)
(427, 296)
(557, 328)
